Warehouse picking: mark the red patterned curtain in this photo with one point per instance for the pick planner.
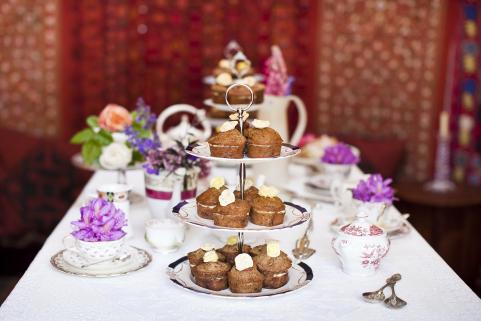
(118, 50)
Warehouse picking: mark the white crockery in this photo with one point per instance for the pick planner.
(94, 251)
(164, 235)
(118, 194)
(361, 245)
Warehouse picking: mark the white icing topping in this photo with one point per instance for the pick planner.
(235, 116)
(273, 249)
(243, 261)
(217, 182)
(207, 247)
(210, 256)
(224, 79)
(226, 197)
(249, 81)
(257, 123)
(279, 275)
(268, 191)
(248, 183)
(228, 125)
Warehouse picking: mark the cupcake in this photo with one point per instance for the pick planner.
(274, 266)
(196, 257)
(239, 94)
(250, 191)
(228, 143)
(262, 141)
(244, 276)
(231, 212)
(231, 249)
(267, 208)
(211, 273)
(209, 199)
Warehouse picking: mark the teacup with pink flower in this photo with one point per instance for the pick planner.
(338, 160)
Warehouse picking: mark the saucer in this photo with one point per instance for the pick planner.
(393, 228)
(70, 262)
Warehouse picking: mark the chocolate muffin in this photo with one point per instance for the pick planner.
(227, 144)
(249, 194)
(197, 257)
(262, 142)
(209, 199)
(230, 251)
(274, 269)
(237, 95)
(267, 211)
(234, 214)
(212, 275)
(245, 278)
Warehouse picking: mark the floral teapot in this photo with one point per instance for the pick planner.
(361, 245)
(185, 131)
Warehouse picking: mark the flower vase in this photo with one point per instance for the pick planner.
(372, 210)
(159, 190)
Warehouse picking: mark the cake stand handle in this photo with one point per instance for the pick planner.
(240, 241)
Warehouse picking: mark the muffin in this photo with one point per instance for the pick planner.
(267, 209)
(274, 266)
(238, 95)
(262, 141)
(244, 276)
(196, 257)
(258, 250)
(231, 249)
(211, 273)
(250, 191)
(231, 212)
(209, 199)
(228, 143)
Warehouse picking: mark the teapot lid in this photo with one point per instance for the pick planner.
(360, 227)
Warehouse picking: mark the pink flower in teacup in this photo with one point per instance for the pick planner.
(114, 118)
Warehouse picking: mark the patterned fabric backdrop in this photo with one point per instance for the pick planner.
(28, 66)
(161, 49)
(378, 72)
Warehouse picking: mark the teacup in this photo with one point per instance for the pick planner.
(94, 251)
(342, 196)
(337, 171)
(118, 194)
(164, 235)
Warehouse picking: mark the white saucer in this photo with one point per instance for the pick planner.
(70, 262)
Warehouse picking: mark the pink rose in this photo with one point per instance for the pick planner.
(114, 118)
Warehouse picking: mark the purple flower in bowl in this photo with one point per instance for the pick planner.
(99, 220)
(339, 154)
(374, 189)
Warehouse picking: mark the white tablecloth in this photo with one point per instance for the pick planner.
(432, 289)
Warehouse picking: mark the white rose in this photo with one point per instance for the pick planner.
(115, 156)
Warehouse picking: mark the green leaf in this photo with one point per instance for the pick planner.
(92, 121)
(91, 151)
(133, 115)
(103, 138)
(82, 136)
(136, 157)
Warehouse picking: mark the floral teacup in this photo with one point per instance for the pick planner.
(94, 251)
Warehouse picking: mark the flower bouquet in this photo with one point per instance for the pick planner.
(117, 138)
(98, 233)
(373, 195)
(338, 160)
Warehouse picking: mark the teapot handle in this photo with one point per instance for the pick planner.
(302, 120)
(174, 109)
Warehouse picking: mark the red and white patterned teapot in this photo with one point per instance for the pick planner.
(361, 245)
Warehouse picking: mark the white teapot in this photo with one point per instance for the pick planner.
(361, 245)
(185, 131)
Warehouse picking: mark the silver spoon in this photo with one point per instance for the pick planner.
(302, 250)
(394, 302)
(378, 296)
(115, 259)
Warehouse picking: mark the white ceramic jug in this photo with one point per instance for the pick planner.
(274, 109)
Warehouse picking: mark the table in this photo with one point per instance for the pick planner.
(433, 290)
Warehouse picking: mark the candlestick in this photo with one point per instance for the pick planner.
(444, 124)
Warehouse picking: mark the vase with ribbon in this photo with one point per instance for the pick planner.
(171, 175)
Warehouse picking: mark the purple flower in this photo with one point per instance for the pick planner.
(99, 220)
(339, 154)
(374, 189)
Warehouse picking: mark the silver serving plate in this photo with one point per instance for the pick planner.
(300, 275)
